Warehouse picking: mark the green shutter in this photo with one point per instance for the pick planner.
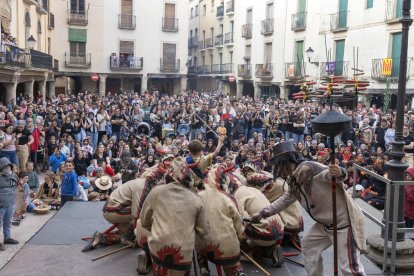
(298, 57)
(77, 35)
(396, 53)
(398, 9)
(302, 6)
(343, 13)
(339, 56)
(370, 4)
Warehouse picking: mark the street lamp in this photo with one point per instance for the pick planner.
(31, 42)
(309, 53)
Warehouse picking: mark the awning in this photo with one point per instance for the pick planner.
(77, 35)
(5, 20)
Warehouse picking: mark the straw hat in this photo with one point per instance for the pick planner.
(104, 183)
(43, 209)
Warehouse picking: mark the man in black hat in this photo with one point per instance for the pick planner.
(310, 184)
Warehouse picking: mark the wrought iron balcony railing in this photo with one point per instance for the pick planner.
(245, 70)
(268, 26)
(294, 70)
(264, 70)
(201, 45)
(298, 21)
(169, 65)
(204, 69)
(228, 38)
(225, 68)
(169, 24)
(389, 68)
(77, 18)
(78, 60)
(193, 42)
(127, 64)
(339, 21)
(126, 21)
(334, 68)
(209, 43)
(230, 7)
(247, 30)
(12, 56)
(41, 60)
(218, 42)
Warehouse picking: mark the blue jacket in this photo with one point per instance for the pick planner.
(54, 161)
(70, 184)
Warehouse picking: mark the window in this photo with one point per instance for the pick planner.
(77, 6)
(126, 7)
(370, 4)
(268, 53)
(169, 56)
(301, 6)
(204, 9)
(247, 53)
(192, 13)
(49, 45)
(27, 25)
(77, 49)
(269, 11)
(339, 57)
(39, 36)
(126, 48)
(396, 39)
(212, 5)
(196, 10)
(169, 10)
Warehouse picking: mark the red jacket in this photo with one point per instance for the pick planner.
(409, 202)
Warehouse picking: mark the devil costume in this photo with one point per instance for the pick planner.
(310, 184)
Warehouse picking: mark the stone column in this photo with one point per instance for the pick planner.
(283, 92)
(239, 92)
(144, 84)
(28, 88)
(102, 84)
(52, 90)
(10, 91)
(184, 81)
(42, 90)
(257, 92)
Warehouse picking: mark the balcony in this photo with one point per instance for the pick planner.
(225, 68)
(294, 70)
(264, 71)
(220, 12)
(169, 24)
(334, 68)
(193, 42)
(230, 7)
(169, 65)
(389, 68)
(41, 60)
(78, 60)
(55, 65)
(126, 21)
(51, 21)
(127, 64)
(245, 71)
(393, 11)
(204, 69)
(339, 21)
(201, 45)
(218, 42)
(192, 70)
(299, 21)
(42, 7)
(247, 30)
(209, 43)
(228, 38)
(79, 18)
(14, 57)
(267, 26)
(30, 2)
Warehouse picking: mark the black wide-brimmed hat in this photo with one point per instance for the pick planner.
(283, 148)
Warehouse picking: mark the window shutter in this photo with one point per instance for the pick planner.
(126, 7)
(126, 47)
(77, 35)
(169, 10)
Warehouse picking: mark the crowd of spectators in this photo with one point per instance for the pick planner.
(102, 140)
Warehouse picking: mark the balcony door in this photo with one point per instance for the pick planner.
(396, 53)
(126, 53)
(301, 6)
(339, 56)
(249, 17)
(301, 13)
(299, 57)
(343, 12)
(77, 53)
(77, 6)
(269, 11)
(169, 56)
(398, 8)
(268, 53)
(170, 15)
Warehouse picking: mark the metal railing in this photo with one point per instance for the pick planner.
(193, 42)
(169, 24)
(201, 45)
(298, 21)
(294, 70)
(169, 65)
(264, 70)
(51, 21)
(78, 60)
(209, 43)
(77, 18)
(389, 68)
(268, 26)
(228, 38)
(393, 10)
(247, 30)
(230, 6)
(224, 68)
(41, 60)
(392, 187)
(339, 21)
(42, 6)
(192, 70)
(12, 56)
(127, 64)
(334, 68)
(204, 69)
(220, 11)
(218, 40)
(126, 21)
(245, 70)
